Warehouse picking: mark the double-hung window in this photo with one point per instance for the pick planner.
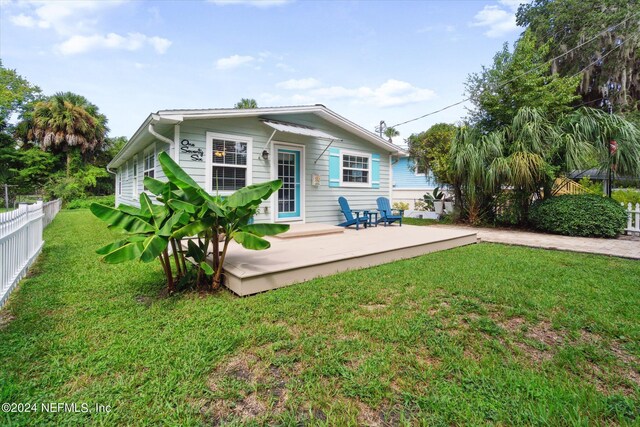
(150, 163)
(356, 169)
(230, 162)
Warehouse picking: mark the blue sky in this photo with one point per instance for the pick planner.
(367, 60)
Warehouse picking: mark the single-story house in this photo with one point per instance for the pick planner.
(318, 154)
(410, 183)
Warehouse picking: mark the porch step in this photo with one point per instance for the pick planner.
(310, 230)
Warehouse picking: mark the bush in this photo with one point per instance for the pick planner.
(401, 206)
(585, 215)
(86, 202)
(627, 195)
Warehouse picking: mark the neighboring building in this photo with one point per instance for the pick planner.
(410, 183)
(318, 154)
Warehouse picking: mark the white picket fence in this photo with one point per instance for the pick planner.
(633, 219)
(21, 241)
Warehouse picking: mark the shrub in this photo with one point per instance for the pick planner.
(627, 195)
(586, 215)
(401, 206)
(86, 202)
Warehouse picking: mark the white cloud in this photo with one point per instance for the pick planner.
(133, 41)
(23, 21)
(392, 93)
(63, 16)
(300, 84)
(263, 4)
(497, 20)
(233, 61)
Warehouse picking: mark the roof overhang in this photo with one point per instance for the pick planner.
(173, 117)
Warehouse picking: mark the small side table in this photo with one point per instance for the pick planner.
(371, 214)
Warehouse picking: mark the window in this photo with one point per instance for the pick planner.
(421, 170)
(228, 164)
(149, 168)
(355, 169)
(134, 187)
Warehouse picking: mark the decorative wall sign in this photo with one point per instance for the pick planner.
(196, 154)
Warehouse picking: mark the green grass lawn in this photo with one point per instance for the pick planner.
(484, 334)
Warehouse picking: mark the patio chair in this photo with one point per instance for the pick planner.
(386, 213)
(361, 217)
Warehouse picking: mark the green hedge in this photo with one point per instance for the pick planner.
(627, 195)
(579, 215)
(86, 202)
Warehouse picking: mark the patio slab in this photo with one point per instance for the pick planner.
(295, 260)
(624, 246)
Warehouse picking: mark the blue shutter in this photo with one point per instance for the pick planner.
(375, 170)
(334, 167)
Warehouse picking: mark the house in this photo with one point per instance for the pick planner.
(318, 154)
(410, 183)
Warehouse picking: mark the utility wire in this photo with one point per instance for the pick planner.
(609, 29)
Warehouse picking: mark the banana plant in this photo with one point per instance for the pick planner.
(148, 231)
(216, 219)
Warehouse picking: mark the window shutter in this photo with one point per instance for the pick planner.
(375, 170)
(334, 167)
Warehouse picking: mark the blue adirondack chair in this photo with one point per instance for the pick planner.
(360, 216)
(386, 213)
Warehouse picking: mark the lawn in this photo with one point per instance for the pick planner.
(484, 334)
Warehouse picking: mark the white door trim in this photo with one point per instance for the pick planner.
(274, 175)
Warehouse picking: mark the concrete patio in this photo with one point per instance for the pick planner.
(309, 251)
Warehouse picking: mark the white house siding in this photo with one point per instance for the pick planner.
(321, 203)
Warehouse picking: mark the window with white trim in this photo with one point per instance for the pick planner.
(134, 187)
(149, 163)
(356, 169)
(421, 170)
(228, 164)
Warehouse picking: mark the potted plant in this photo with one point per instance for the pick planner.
(437, 199)
(448, 204)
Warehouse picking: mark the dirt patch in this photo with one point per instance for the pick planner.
(5, 319)
(367, 416)
(247, 387)
(544, 333)
(144, 300)
(374, 307)
(514, 324)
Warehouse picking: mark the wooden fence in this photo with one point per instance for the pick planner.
(21, 241)
(633, 219)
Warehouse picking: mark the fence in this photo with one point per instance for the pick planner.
(50, 210)
(21, 241)
(633, 219)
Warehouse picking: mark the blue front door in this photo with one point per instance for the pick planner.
(289, 200)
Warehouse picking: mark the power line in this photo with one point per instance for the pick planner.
(609, 29)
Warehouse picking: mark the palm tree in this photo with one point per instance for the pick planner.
(246, 103)
(67, 122)
(390, 132)
(529, 154)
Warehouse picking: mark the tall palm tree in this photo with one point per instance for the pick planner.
(390, 132)
(246, 103)
(67, 122)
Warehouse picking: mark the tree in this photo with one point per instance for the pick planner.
(246, 103)
(431, 150)
(516, 80)
(531, 152)
(390, 132)
(67, 123)
(563, 24)
(15, 94)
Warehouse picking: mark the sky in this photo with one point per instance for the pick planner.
(366, 60)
